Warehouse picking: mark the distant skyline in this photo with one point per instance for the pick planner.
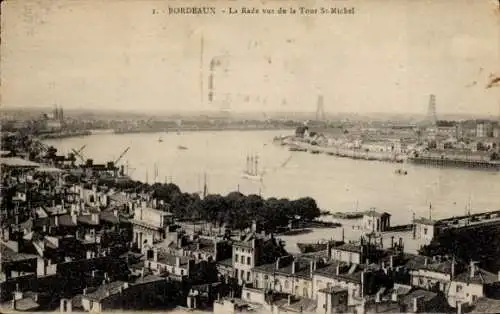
(388, 57)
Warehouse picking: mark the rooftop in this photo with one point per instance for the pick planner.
(481, 276)
(18, 162)
(373, 213)
(105, 290)
(486, 305)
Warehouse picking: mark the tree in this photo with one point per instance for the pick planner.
(306, 208)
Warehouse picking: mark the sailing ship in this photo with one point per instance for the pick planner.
(252, 166)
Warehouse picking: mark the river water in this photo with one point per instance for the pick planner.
(337, 184)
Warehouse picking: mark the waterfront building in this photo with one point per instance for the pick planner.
(374, 221)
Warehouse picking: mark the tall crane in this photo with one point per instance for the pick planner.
(112, 165)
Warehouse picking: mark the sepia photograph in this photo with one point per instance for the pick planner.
(253, 156)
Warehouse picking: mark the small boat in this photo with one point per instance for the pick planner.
(182, 147)
(401, 172)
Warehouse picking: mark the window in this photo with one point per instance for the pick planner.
(242, 274)
(236, 258)
(248, 295)
(266, 277)
(249, 260)
(248, 276)
(459, 288)
(242, 259)
(286, 284)
(425, 230)
(182, 272)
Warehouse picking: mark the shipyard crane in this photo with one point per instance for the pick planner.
(79, 154)
(121, 155)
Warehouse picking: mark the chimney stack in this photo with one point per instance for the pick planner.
(293, 266)
(177, 261)
(155, 254)
(277, 266)
(425, 261)
(472, 269)
(337, 269)
(391, 261)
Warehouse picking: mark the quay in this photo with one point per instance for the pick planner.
(74, 240)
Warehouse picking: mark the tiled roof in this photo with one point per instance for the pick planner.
(9, 255)
(373, 213)
(418, 262)
(169, 259)
(481, 276)
(349, 247)
(486, 305)
(105, 290)
(420, 293)
(331, 272)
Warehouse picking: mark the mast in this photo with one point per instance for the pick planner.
(256, 165)
(430, 210)
(205, 188)
(201, 68)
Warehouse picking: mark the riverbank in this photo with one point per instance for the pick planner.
(295, 145)
(204, 129)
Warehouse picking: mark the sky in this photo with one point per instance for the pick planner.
(117, 55)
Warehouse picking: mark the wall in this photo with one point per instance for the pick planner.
(345, 256)
(321, 282)
(468, 292)
(253, 296)
(238, 266)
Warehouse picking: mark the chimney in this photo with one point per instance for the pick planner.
(459, 307)
(289, 299)
(392, 241)
(328, 250)
(155, 254)
(277, 263)
(362, 284)
(177, 262)
(391, 262)
(343, 235)
(85, 291)
(115, 212)
(337, 269)
(472, 269)
(294, 266)
(56, 220)
(425, 261)
(394, 296)
(453, 268)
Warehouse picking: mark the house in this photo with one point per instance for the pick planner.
(470, 285)
(340, 275)
(120, 295)
(420, 300)
(432, 274)
(348, 253)
(290, 275)
(149, 226)
(374, 221)
(425, 230)
(332, 299)
(253, 250)
(177, 267)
